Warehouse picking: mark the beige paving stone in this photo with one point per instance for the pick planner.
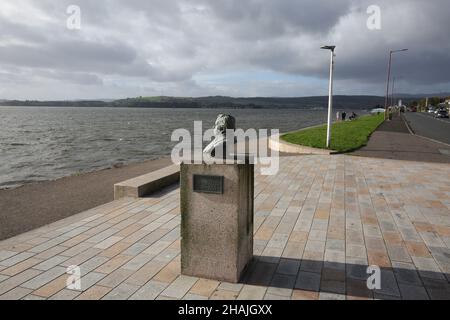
(16, 294)
(170, 272)
(50, 253)
(304, 295)
(90, 279)
(356, 251)
(105, 244)
(227, 286)
(115, 278)
(94, 293)
(224, 295)
(417, 249)
(144, 274)
(250, 292)
(65, 294)
(150, 291)
(77, 249)
(52, 287)
(204, 287)
(298, 236)
(116, 249)
(178, 288)
(379, 258)
(392, 238)
(113, 264)
(322, 220)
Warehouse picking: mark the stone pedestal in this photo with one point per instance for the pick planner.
(216, 225)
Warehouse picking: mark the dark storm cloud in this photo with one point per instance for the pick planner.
(179, 45)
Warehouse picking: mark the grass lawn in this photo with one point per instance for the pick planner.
(345, 136)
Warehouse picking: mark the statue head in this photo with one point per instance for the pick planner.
(223, 123)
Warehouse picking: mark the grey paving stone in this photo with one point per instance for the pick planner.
(44, 278)
(5, 254)
(121, 292)
(410, 292)
(308, 281)
(91, 279)
(398, 253)
(50, 263)
(92, 264)
(193, 297)
(335, 245)
(356, 251)
(65, 294)
(428, 268)
(17, 280)
(32, 297)
(105, 244)
(150, 291)
(135, 249)
(16, 259)
(311, 266)
(406, 273)
(330, 286)
(288, 266)
(226, 286)
(389, 285)
(315, 246)
(271, 296)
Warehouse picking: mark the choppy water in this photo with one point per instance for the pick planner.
(40, 143)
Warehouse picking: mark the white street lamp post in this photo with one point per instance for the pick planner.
(391, 52)
(330, 94)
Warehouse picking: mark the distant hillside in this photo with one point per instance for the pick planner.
(351, 102)
(340, 102)
(35, 103)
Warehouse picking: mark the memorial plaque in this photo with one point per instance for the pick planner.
(208, 184)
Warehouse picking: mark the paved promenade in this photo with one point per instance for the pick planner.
(318, 224)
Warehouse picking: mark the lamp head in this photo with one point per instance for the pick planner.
(328, 48)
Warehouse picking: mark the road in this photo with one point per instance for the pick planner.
(426, 125)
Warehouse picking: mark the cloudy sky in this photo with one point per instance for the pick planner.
(219, 47)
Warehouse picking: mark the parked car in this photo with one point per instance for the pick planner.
(442, 114)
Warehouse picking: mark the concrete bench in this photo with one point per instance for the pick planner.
(148, 183)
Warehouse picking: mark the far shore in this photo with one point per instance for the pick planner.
(34, 205)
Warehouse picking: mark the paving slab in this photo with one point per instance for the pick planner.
(319, 223)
